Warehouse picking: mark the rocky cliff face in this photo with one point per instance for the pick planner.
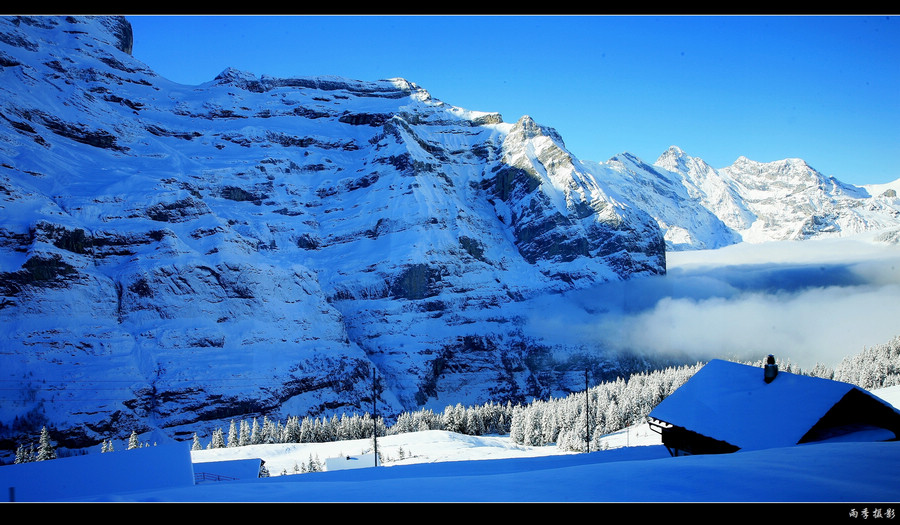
(172, 255)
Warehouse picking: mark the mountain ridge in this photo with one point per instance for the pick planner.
(701, 207)
(254, 245)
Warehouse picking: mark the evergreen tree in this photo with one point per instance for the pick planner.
(532, 426)
(307, 431)
(474, 422)
(133, 441)
(268, 431)
(232, 435)
(326, 432)
(292, 431)
(314, 465)
(45, 450)
(25, 455)
(255, 438)
(244, 434)
(218, 439)
(196, 445)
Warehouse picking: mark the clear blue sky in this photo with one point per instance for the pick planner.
(823, 88)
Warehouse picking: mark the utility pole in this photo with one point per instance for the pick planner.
(587, 414)
(375, 414)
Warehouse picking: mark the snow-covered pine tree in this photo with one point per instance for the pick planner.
(454, 418)
(232, 435)
(25, 454)
(196, 444)
(873, 368)
(314, 465)
(403, 424)
(361, 426)
(133, 441)
(255, 436)
(244, 438)
(549, 425)
(517, 425)
(218, 439)
(474, 422)
(342, 430)
(45, 449)
(306, 431)
(823, 371)
(326, 431)
(334, 425)
(532, 426)
(291, 430)
(269, 434)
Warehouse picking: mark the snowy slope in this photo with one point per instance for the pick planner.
(444, 466)
(466, 469)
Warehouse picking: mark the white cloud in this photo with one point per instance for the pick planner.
(816, 325)
(808, 302)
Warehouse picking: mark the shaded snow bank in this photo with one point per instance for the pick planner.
(835, 472)
(165, 467)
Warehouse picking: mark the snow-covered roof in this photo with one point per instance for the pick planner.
(731, 402)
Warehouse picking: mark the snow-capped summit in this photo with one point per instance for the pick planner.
(674, 159)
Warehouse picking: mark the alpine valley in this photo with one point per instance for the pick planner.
(174, 256)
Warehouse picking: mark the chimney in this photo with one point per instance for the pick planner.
(771, 369)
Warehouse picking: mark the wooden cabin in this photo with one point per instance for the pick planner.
(726, 407)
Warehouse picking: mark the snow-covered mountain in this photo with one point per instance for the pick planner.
(174, 254)
(698, 206)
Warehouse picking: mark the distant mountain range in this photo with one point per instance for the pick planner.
(698, 206)
(173, 256)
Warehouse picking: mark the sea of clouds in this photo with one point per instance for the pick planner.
(807, 302)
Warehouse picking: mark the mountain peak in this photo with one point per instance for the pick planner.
(675, 151)
(673, 158)
(530, 129)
